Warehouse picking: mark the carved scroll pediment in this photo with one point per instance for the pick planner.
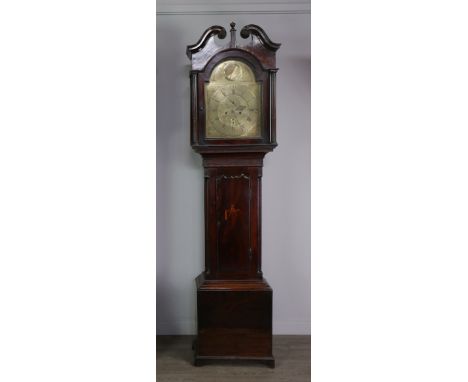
(209, 34)
(258, 43)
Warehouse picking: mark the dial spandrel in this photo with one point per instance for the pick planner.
(232, 102)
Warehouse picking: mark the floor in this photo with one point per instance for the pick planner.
(174, 363)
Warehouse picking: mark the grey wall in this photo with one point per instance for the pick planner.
(286, 176)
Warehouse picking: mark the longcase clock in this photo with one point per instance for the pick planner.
(233, 126)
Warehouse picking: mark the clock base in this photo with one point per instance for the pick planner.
(234, 320)
(201, 360)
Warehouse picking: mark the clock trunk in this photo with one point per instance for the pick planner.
(232, 216)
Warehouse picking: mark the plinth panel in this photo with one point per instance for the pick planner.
(234, 320)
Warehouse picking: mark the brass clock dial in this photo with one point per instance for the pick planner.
(233, 103)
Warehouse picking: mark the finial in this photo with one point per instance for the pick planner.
(232, 44)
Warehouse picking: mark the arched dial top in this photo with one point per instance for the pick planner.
(233, 102)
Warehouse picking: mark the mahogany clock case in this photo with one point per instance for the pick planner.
(234, 301)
